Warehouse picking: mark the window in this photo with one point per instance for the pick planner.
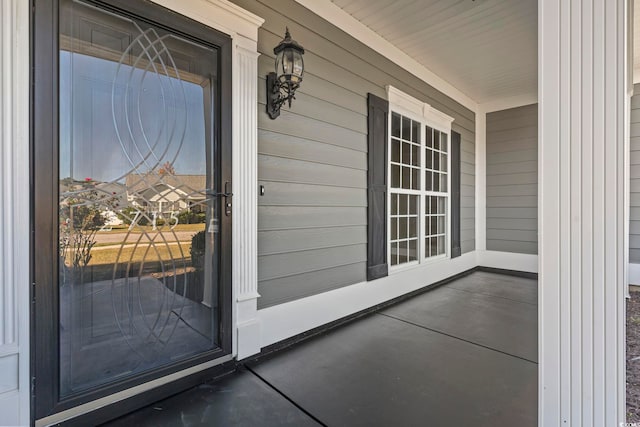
(419, 202)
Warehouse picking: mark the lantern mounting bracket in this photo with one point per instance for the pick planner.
(276, 95)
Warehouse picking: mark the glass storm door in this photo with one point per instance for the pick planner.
(140, 289)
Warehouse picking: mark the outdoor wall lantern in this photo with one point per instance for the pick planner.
(282, 85)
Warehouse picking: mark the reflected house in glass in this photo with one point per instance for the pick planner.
(166, 194)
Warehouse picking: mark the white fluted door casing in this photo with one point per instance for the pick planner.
(14, 208)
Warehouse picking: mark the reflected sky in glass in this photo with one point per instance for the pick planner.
(89, 143)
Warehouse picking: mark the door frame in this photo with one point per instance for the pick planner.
(44, 201)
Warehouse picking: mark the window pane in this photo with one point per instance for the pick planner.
(415, 155)
(395, 125)
(394, 228)
(402, 252)
(443, 142)
(413, 227)
(395, 150)
(441, 222)
(395, 176)
(394, 204)
(413, 205)
(441, 241)
(403, 204)
(406, 129)
(429, 159)
(402, 232)
(433, 242)
(429, 137)
(394, 253)
(443, 182)
(436, 161)
(413, 250)
(415, 132)
(436, 182)
(429, 178)
(436, 140)
(406, 177)
(415, 179)
(443, 162)
(406, 153)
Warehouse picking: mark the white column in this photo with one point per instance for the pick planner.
(582, 93)
(245, 179)
(14, 212)
(481, 181)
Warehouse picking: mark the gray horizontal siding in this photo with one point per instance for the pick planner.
(313, 159)
(634, 172)
(512, 180)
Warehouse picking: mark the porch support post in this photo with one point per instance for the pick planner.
(481, 181)
(14, 213)
(245, 178)
(582, 77)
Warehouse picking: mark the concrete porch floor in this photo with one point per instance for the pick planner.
(462, 354)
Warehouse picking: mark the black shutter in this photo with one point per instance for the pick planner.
(456, 250)
(377, 127)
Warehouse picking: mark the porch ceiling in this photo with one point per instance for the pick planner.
(485, 48)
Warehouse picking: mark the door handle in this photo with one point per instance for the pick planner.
(227, 194)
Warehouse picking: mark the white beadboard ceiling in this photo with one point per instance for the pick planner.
(487, 49)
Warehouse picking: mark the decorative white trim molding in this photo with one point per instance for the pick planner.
(508, 261)
(421, 110)
(347, 23)
(228, 17)
(402, 99)
(14, 203)
(245, 218)
(582, 75)
(286, 320)
(509, 102)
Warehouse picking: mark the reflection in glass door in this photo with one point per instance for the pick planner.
(138, 235)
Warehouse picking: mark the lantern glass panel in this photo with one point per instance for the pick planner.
(298, 64)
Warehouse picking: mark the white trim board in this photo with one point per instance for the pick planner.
(347, 23)
(508, 260)
(634, 274)
(508, 103)
(14, 224)
(290, 319)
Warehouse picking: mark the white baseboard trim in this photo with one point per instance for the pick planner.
(508, 261)
(289, 319)
(634, 274)
(10, 409)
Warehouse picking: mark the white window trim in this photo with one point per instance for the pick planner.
(414, 109)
